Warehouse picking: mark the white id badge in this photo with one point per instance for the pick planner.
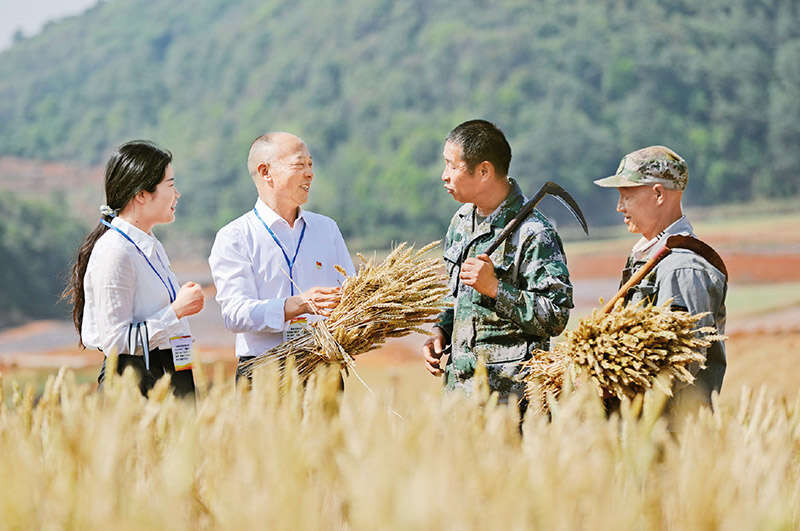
(181, 352)
(295, 328)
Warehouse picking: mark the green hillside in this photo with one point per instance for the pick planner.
(37, 246)
(374, 85)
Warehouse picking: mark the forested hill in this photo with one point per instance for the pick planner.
(374, 85)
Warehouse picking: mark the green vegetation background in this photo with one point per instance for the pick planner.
(373, 86)
(37, 243)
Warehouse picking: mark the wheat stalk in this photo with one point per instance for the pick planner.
(388, 299)
(623, 352)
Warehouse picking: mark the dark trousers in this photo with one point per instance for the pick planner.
(181, 383)
(240, 360)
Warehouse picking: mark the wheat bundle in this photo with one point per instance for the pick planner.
(624, 351)
(544, 374)
(382, 300)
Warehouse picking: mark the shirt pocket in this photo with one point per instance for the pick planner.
(504, 263)
(499, 353)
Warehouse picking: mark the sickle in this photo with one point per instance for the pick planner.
(548, 188)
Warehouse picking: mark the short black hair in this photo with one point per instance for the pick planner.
(482, 141)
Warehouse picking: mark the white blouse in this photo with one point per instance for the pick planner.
(121, 288)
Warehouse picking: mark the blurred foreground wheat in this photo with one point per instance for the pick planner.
(391, 298)
(319, 459)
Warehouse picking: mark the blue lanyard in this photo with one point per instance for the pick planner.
(290, 263)
(170, 287)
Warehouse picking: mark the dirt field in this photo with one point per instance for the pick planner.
(762, 255)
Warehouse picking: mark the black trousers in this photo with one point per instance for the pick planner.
(239, 361)
(181, 383)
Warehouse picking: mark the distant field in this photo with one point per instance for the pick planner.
(755, 307)
(765, 229)
(758, 299)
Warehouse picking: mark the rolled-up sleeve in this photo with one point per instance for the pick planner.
(237, 291)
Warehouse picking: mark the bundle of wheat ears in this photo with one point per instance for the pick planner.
(624, 351)
(387, 299)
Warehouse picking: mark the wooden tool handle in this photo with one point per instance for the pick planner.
(512, 225)
(636, 278)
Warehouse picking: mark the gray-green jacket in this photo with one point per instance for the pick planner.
(694, 285)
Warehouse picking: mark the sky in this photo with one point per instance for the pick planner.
(30, 15)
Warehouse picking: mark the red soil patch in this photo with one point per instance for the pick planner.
(395, 352)
(585, 266)
(40, 176)
(743, 268)
(29, 329)
(758, 268)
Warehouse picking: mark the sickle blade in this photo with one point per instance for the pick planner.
(567, 200)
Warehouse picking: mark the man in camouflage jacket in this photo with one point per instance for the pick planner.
(650, 182)
(507, 304)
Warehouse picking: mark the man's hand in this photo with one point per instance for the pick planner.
(478, 273)
(432, 351)
(320, 301)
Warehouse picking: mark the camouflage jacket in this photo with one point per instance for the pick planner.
(694, 285)
(534, 295)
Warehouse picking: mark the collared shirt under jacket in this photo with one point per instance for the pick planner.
(253, 278)
(693, 285)
(120, 288)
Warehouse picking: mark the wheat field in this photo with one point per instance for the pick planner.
(415, 459)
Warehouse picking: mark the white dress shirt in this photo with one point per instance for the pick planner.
(252, 276)
(121, 288)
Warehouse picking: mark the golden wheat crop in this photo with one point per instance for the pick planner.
(625, 352)
(313, 458)
(391, 298)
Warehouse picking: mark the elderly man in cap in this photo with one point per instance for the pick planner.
(650, 183)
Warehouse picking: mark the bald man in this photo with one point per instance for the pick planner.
(273, 267)
(651, 182)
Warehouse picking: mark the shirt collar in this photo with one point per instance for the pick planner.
(505, 211)
(145, 242)
(271, 217)
(509, 207)
(643, 249)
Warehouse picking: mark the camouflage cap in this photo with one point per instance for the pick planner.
(650, 165)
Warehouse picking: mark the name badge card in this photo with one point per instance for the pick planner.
(181, 352)
(296, 328)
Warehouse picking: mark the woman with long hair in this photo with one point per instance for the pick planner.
(124, 294)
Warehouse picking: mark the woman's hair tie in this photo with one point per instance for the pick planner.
(108, 211)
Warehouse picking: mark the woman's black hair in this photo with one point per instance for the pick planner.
(135, 166)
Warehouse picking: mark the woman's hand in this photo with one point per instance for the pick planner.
(189, 300)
